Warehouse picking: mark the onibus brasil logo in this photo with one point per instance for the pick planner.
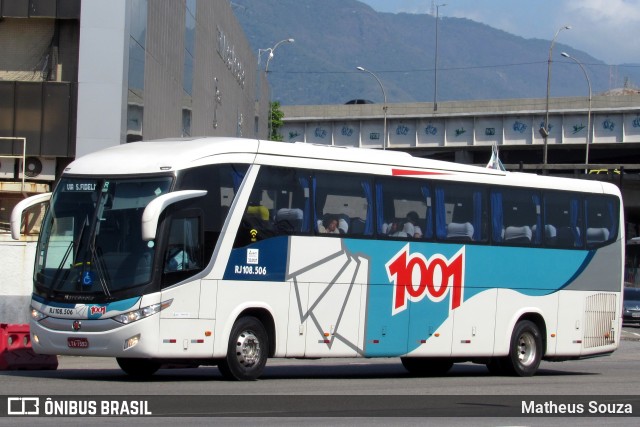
(415, 277)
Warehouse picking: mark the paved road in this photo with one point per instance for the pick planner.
(298, 383)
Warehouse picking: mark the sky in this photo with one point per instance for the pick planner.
(608, 30)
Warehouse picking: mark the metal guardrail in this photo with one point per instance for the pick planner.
(574, 166)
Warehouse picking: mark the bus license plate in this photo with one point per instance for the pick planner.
(78, 342)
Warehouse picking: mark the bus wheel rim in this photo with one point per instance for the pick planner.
(526, 349)
(248, 349)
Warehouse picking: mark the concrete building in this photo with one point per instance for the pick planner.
(78, 76)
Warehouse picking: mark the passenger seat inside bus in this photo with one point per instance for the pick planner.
(518, 235)
(357, 226)
(568, 237)
(289, 221)
(460, 231)
(597, 235)
(550, 233)
(258, 211)
(255, 226)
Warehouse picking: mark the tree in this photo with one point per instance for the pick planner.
(275, 121)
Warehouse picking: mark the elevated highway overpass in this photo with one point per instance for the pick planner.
(465, 131)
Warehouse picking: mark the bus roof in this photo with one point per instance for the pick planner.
(146, 157)
(175, 154)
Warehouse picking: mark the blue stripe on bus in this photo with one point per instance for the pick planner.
(42, 300)
(118, 306)
(529, 271)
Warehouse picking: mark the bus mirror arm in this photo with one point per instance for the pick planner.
(16, 213)
(154, 209)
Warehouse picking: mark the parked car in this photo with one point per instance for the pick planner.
(604, 171)
(631, 309)
(359, 101)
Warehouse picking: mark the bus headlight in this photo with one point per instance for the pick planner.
(141, 313)
(37, 315)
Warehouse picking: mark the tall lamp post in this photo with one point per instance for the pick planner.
(586, 161)
(435, 66)
(544, 131)
(271, 50)
(384, 106)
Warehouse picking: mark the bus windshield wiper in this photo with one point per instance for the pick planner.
(96, 258)
(101, 269)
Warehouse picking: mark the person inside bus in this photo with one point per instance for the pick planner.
(411, 226)
(177, 260)
(405, 228)
(329, 225)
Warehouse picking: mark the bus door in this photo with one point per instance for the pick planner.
(182, 258)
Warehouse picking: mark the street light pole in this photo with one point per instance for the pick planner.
(544, 131)
(586, 161)
(271, 51)
(435, 66)
(384, 106)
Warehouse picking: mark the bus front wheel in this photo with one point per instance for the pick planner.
(247, 351)
(139, 368)
(525, 352)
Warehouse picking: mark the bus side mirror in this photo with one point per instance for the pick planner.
(154, 209)
(16, 213)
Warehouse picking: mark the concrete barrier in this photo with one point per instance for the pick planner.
(16, 352)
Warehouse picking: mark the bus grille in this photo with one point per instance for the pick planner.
(600, 314)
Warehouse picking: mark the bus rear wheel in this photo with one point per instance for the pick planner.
(426, 366)
(247, 351)
(525, 352)
(139, 368)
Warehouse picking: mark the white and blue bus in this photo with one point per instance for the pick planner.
(227, 252)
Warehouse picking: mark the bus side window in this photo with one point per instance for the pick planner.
(516, 216)
(461, 213)
(563, 220)
(279, 205)
(256, 225)
(601, 218)
(183, 247)
(221, 183)
(183, 254)
(404, 209)
(346, 197)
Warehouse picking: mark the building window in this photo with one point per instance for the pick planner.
(189, 63)
(135, 93)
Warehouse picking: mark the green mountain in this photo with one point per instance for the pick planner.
(475, 61)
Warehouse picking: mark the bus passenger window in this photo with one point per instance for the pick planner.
(563, 220)
(256, 224)
(404, 209)
(221, 182)
(461, 213)
(183, 248)
(601, 219)
(346, 197)
(516, 216)
(279, 205)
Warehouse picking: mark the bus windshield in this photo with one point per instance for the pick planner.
(91, 242)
